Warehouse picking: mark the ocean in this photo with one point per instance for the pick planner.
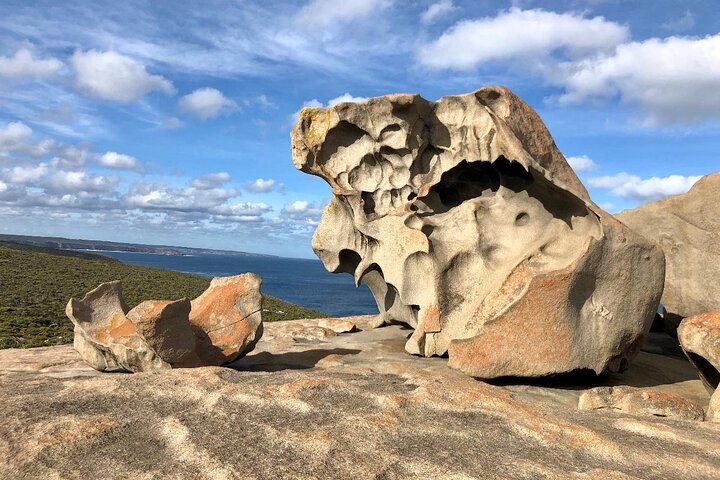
(300, 281)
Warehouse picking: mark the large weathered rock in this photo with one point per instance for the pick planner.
(221, 325)
(467, 224)
(687, 227)
(699, 337)
(348, 406)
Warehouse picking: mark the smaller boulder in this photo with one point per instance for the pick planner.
(338, 326)
(227, 318)
(104, 336)
(699, 337)
(166, 326)
(639, 401)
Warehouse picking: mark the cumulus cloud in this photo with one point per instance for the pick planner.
(260, 185)
(323, 13)
(112, 76)
(520, 34)
(17, 137)
(633, 187)
(210, 180)
(302, 210)
(22, 174)
(24, 64)
(582, 163)
(206, 103)
(14, 136)
(119, 161)
(674, 80)
(437, 10)
(79, 181)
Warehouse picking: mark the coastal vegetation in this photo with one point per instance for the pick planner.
(36, 284)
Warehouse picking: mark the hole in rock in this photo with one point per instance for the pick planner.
(708, 371)
(368, 202)
(469, 180)
(348, 261)
(522, 219)
(342, 135)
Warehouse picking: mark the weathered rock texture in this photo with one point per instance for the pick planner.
(640, 401)
(219, 326)
(700, 340)
(687, 227)
(467, 223)
(348, 406)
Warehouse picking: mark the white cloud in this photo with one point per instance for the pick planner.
(79, 181)
(112, 76)
(303, 211)
(581, 163)
(17, 137)
(210, 180)
(119, 161)
(636, 188)
(680, 24)
(23, 174)
(323, 13)
(260, 185)
(437, 10)
(344, 98)
(71, 157)
(520, 34)
(206, 103)
(675, 80)
(14, 136)
(23, 64)
(188, 199)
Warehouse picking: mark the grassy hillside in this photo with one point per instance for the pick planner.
(36, 284)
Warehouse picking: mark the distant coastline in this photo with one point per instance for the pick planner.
(99, 246)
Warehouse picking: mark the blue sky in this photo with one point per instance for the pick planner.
(168, 122)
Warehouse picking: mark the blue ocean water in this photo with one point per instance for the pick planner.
(299, 281)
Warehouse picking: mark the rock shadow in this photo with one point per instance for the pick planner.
(271, 362)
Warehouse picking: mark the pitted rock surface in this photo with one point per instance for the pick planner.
(468, 225)
(353, 405)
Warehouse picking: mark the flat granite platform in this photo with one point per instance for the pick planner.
(308, 403)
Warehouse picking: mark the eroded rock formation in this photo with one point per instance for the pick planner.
(699, 337)
(220, 326)
(687, 227)
(467, 223)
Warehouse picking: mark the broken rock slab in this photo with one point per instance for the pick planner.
(640, 401)
(338, 325)
(468, 225)
(220, 326)
(699, 337)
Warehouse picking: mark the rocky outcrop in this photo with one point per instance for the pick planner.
(221, 325)
(467, 224)
(700, 340)
(640, 401)
(346, 406)
(687, 227)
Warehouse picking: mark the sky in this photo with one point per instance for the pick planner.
(168, 122)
